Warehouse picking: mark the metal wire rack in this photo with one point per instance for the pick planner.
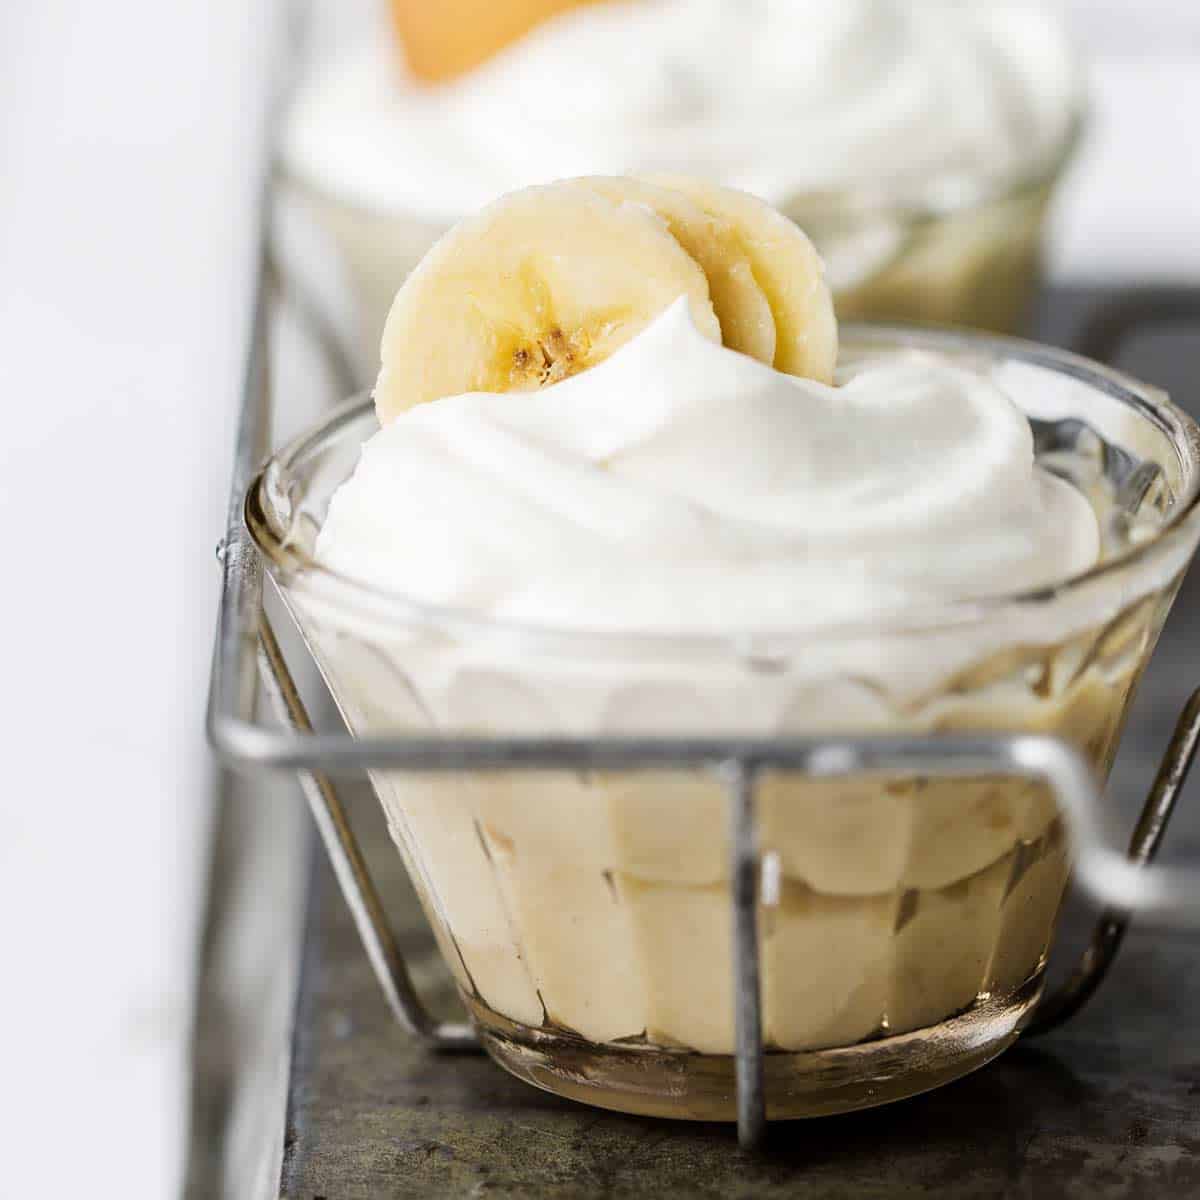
(248, 658)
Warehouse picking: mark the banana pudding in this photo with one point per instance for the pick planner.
(916, 143)
(628, 483)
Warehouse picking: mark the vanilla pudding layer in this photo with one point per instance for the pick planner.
(600, 903)
(675, 488)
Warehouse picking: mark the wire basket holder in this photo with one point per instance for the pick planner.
(248, 657)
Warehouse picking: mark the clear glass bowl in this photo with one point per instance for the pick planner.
(954, 252)
(586, 917)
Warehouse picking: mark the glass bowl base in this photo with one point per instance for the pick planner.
(656, 1081)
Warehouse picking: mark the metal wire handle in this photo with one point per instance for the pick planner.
(1044, 759)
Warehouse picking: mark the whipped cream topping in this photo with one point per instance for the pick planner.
(680, 487)
(779, 97)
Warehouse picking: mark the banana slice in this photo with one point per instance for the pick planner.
(747, 323)
(787, 267)
(542, 284)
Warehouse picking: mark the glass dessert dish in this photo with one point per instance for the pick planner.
(976, 262)
(919, 146)
(903, 921)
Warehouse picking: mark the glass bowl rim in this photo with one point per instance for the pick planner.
(296, 571)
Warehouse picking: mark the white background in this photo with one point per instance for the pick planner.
(129, 137)
(130, 144)
(1130, 207)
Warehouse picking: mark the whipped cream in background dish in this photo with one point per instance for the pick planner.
(778, 97)
(917, 143)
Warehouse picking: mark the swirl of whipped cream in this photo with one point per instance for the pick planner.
(779, 97)
(681, 487)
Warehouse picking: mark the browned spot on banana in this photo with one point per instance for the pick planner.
(554, 357)
(539, 286)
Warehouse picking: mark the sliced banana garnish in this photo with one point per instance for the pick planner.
(747, 323)
(788, 269)
(540, 285)
(550, 281)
